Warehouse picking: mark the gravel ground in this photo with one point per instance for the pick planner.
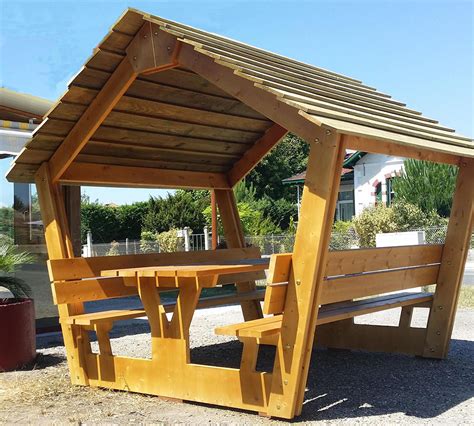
(343, 387)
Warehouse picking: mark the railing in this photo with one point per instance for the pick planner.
(268, 244)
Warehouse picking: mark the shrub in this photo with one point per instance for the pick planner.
(114, 249)
(372, 221)
(343, 236)
(148, 242)
(170, 242)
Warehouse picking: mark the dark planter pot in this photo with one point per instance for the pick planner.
(17, 333)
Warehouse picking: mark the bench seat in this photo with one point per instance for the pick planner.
(120, 315)
(265, 327)
(104, 316)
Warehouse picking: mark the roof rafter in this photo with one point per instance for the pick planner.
(151, 50)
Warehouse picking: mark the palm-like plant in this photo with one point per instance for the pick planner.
(10, 258)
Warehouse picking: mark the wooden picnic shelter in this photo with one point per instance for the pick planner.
(161, 104)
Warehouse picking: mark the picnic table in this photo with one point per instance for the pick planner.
(162, 105)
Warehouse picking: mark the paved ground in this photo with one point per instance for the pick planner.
(343, 387)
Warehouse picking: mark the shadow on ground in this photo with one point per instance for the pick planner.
(349, 384)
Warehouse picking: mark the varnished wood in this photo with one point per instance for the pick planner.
(136, 177)
(329, 313)
(59, 246)
(254, 155)
(458, 238)
(234, 237)
(96, 113)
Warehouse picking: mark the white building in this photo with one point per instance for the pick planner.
(365, 181)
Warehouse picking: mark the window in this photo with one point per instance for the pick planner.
(390, 193)
(378, 193)
(345, 205)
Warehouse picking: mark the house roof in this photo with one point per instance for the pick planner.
(16, 106)
(179, 119)
(346, 174)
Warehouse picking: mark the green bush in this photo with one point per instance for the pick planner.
(170, 242)
(343, 236)
(372, 221)
(114, 249)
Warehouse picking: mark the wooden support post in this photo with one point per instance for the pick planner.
(72, 201)
(59, 245)
(214, 225)
(234, 237)
(442, 314)
(308, 265)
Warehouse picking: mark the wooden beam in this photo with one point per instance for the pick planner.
(260, 100)
(253, 156)
(234, 236)
(92, 118)
(151, 50)
(141, 177)
(378, 146)
(306, 278)
(59, 245)
(460, 227)
(72, 201)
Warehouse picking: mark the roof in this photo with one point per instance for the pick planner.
(16, 106)
(346, 174)
(181, 118)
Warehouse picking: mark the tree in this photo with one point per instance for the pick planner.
(175, 211)
(430, 186)
(288, 158)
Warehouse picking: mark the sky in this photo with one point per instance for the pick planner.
(421, 52)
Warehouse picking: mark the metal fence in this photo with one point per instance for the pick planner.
(268, 244)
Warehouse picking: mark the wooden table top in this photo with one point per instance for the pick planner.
(197, 270)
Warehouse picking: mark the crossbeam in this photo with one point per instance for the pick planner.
(141, 177)
(253, 156)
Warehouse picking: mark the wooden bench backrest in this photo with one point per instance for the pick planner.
(78, 279)
(351, 274)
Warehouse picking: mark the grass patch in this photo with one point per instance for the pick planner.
(466, 297)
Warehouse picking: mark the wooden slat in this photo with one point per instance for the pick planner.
(191, 113)
(341, 311)
(346, 288)
(261, 54)
(255, 154)
(279, 269)
(248, 62)
(91, 267)
(125, 120)
(91, 289)
(159, 140)
(275, 296)
(244, 90)
(237, 329)
(91, 119)
(84, 90)
(329, 313)
(375, 259)
(105, 316)
(137, 177)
